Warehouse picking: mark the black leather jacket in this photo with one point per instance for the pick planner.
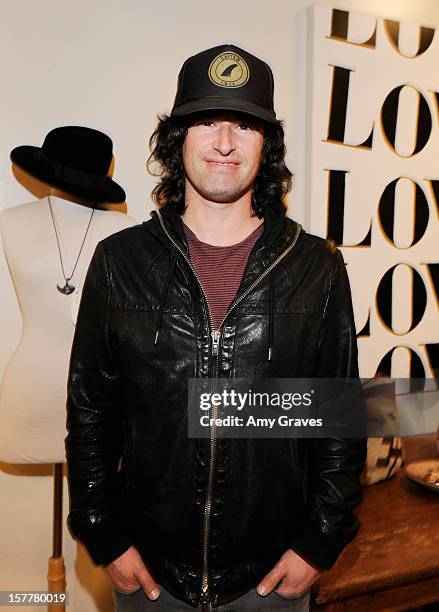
(210, 516)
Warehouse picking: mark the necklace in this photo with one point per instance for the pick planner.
(68, 288)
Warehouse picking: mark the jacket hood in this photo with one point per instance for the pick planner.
(275, 220)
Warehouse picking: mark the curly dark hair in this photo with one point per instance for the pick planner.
(166, 144)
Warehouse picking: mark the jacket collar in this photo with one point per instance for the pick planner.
(279, 237)
(277, 234)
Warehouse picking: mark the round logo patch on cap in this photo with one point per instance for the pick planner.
(229, 70)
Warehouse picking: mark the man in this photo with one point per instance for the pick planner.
(219, 283)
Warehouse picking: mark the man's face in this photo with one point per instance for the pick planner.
(222, 155)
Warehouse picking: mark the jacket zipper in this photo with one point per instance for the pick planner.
(216, 338)
(215, 335)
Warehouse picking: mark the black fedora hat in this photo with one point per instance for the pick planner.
(75, 159)
(225, 78)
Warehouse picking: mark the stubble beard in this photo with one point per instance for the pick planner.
(221, 189)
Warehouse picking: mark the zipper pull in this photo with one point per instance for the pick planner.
(204, 600)
(216, 334)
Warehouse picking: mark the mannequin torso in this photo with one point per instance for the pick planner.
(33, 387)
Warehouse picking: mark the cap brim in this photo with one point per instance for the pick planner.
(231, 104)
(26, 157)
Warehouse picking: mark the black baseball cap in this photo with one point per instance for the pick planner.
(225, 78)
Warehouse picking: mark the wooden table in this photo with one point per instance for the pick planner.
(393, 563)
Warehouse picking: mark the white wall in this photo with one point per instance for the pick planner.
(112, 65)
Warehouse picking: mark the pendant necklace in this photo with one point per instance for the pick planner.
(68, 288)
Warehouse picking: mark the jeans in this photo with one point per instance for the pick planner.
(137, 601)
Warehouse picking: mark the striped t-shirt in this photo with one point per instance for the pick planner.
(220, 269)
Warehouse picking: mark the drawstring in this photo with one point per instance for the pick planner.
(270, 318)
(163, 300)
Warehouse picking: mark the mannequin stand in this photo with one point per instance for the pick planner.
(56, 577)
